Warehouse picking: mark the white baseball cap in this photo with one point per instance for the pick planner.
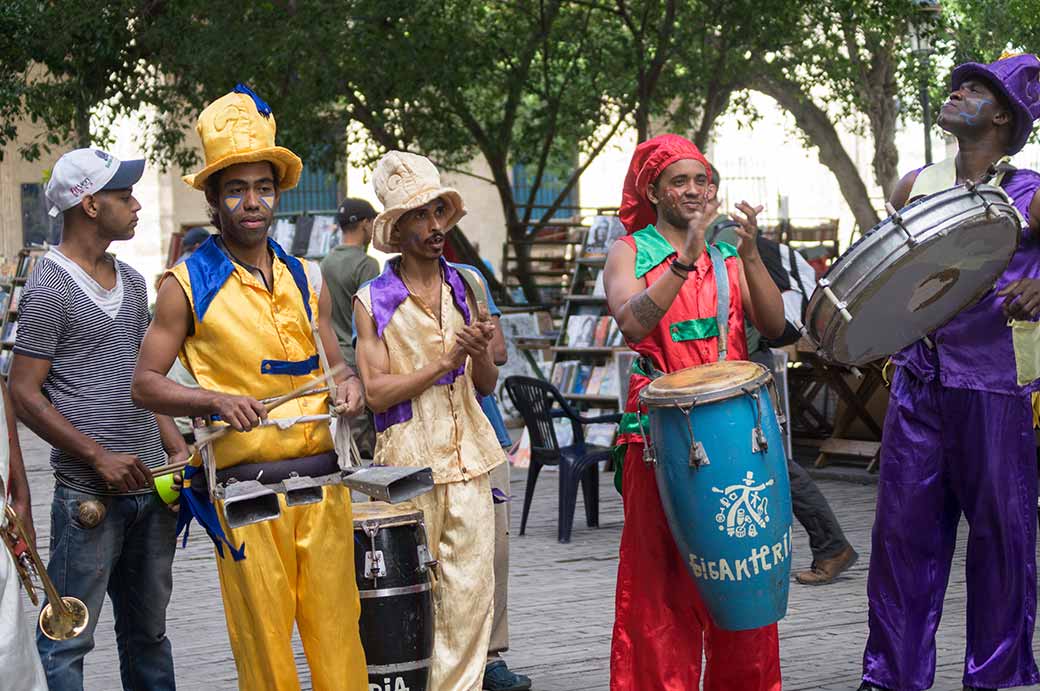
(83, 172)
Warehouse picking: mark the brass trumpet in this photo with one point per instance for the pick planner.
(63, 617)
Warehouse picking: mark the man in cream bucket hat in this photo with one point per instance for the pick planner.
(239, 312)
(423, 348)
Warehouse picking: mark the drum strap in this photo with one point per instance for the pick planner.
(718, 265)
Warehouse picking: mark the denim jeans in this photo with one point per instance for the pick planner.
(129, 555)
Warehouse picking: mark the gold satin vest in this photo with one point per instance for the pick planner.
(447, 429)
(255, 342)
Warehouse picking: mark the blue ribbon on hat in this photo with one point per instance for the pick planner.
(261, 105)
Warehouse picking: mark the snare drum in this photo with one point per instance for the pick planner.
(392, 563)
(912, 273)
(718, 454)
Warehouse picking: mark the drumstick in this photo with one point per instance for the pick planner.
(203, 436)
(306, 388)
(168, 469)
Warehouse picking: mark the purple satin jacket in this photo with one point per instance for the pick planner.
(974, 349)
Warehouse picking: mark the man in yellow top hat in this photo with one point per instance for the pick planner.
(239, 313)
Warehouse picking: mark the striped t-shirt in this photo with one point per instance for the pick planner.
(64, 316)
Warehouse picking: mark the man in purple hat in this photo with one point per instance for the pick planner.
(958, 434)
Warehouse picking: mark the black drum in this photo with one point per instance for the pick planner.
(392, 563)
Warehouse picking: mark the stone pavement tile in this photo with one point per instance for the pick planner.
(561, 603)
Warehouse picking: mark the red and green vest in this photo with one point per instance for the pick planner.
(688, 333)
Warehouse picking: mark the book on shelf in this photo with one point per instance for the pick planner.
(6, 356)
(16, 296)
(580, 378)
(10, 333)
(602, 330)
(601, 235)
(25, 266)
(581, 330)
(595, 382)
(600, 433)
(599, 289)
(610, 386)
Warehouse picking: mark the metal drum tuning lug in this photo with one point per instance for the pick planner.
(839, 305)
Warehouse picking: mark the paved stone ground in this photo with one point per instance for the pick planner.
(561, 601)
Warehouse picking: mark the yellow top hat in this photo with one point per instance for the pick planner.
(239, 127)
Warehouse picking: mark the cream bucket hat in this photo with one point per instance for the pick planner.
(403, 182)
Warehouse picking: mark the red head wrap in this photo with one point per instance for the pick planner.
(652, 157)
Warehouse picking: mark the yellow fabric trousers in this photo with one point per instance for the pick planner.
(460, 527)
(298, 567)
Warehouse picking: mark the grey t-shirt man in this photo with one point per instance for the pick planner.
(345, 269)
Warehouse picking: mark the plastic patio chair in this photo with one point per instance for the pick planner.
(539, 404)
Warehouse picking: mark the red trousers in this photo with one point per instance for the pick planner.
(661, 627)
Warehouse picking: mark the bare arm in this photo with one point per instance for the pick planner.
(123, 471)
(172, 440)
(498, 343)
(349, 396)
(636, 307)
(153, 390)
(1022, 297)
(17, 483)
(382, 389)
(901, 193)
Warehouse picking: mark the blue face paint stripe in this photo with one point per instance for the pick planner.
(979, 105)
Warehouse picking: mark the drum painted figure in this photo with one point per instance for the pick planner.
(392, 564)
(722, 476)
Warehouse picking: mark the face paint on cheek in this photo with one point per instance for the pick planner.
(267, 200)
(232, 202)
(970, 118)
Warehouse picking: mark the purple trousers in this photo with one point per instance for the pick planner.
(946, 451)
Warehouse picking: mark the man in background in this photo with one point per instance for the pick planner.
(191, 242)
(832, 553)
(345, 269)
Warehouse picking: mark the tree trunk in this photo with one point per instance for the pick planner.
(516, 229)
(714, 106)
(883, 114)
(821, 132)
(82, 126)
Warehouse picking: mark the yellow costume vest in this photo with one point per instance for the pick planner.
(444, 427)
(249, 341)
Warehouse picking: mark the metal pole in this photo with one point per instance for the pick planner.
(926, 110)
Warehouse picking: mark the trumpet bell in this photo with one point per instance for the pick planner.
(59, 625)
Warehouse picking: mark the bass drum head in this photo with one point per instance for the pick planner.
(714, 381)
(924, 290)
(899, 292)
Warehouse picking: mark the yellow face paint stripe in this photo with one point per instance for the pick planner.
(232, 202)
(267, 200)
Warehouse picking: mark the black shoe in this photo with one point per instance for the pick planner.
(498, 677)
(867, 686)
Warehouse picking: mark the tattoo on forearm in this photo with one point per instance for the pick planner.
(646, 310)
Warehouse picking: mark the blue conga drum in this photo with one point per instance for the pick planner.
(714, 439)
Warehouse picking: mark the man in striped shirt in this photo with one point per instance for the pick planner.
(82, 318)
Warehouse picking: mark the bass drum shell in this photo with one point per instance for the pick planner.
(397, 609)
(731, 518)
(899, 292)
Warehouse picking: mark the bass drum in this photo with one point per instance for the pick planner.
(392, 565)
(912, 273)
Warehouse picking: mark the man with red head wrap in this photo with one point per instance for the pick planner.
(659, 275)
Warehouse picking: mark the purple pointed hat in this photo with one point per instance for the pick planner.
(1018, 78)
